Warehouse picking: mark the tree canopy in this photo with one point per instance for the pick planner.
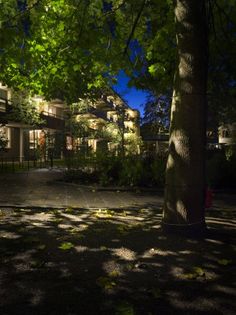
(73, 48)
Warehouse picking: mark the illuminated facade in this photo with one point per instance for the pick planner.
(227, 134)
(110, 110)
(25, 141)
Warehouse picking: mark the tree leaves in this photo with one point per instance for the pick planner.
(124, 308)
(194, 273)
(106, 283)
(75, 48)
(224, 262)
(66, 246)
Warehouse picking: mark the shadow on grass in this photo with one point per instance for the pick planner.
(76, 261)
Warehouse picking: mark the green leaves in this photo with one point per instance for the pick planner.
(76, 67)
(106, 283)
(124, 308)
(153, 69)
(104, 213)
(24, 109)
(66, 246)
(53, 70)
(224, 262)
(195, 273)
(37, 264)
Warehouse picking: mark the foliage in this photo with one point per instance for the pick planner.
(221, 170)
(69, 49)
(3, 140)
(156, 113)
(133, 143)
(24, 109)
(78, 128)
(94, 40)
(91, 42)
(66, 246)
(130, 170)
(112, 132)
(83, 106)
(222, 66)
(82, 124)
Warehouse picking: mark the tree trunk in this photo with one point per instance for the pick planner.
(185, 172)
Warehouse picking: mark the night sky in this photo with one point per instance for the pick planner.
(135, 98)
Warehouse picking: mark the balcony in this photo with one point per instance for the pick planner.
(53, 121)
(2, 106)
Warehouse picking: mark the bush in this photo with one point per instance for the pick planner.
(221, 170)
(131, 172)
(108, 169)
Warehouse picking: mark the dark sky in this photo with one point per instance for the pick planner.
(135, 98)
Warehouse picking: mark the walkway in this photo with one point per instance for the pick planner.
(43, 188)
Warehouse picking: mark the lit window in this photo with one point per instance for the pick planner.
(3, 100)
(36, 138)
(69, 143)
(5, 132)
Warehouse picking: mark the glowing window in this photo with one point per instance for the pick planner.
(5, 132)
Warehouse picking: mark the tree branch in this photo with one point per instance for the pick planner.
(134, 27)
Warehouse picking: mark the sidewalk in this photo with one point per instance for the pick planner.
(42, 188)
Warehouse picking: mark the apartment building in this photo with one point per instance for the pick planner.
(25, 141)
(101, 114)
(227, 134)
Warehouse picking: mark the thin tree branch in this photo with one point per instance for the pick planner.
(134, 26)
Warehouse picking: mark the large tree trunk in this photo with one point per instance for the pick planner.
(185, 172)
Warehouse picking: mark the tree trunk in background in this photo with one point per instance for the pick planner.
(185, 172)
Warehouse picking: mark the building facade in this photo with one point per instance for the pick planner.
(112, 118)
(25, 141)
(52, 137)
(227, 134)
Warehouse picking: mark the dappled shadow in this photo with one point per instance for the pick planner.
(75, 261)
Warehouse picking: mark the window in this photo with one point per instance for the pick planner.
(36, 138)
(5, 132)
(3, 99)
(225, 134)
(69, 143)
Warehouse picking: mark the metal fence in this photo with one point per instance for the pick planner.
(15, 164)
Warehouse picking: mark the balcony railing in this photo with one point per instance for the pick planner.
(45, 113)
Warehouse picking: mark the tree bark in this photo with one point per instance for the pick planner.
(185, 171)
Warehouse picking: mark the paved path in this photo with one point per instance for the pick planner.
(42, 188)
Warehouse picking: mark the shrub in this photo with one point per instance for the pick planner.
(221, 170)
(107, 169)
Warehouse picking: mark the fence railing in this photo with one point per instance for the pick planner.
(11, 165)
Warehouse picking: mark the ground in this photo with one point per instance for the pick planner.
(81, 261)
